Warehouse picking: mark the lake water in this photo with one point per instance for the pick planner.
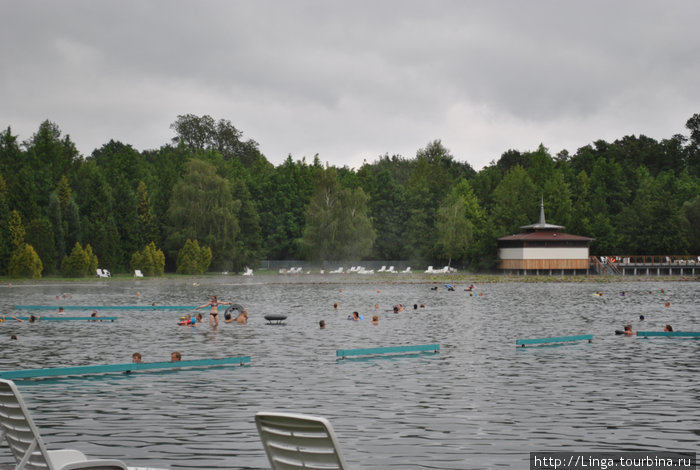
(480, 403)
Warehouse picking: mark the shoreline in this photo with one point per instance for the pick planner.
(270, 277)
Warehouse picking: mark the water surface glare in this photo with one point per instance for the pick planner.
(480, 403)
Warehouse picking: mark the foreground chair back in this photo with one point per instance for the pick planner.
(295, 441)
(25, 442)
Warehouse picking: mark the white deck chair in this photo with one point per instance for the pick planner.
(138, 273)
(295, 441)
(101, 273)
(248, 272)
(26, 444)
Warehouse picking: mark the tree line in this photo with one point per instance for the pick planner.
(212, 187)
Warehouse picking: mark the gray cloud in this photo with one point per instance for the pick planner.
(352, 80)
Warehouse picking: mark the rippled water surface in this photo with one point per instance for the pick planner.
(480, 403)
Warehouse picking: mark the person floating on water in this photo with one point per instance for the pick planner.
(214, 312)
(668, 328)
(241, 318)
(136, 357)
(188, 320)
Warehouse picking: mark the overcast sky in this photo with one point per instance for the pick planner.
(353, 80)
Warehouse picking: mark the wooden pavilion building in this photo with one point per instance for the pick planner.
(544, 249)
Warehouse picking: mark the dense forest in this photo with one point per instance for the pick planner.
(209, 185)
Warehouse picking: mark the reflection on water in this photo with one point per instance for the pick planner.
(480, 403)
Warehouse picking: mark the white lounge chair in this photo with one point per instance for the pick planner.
(429, 270)
(26, 444)
(248, 272)
(407, 270)
(391, 269)
(296, 441)
(138, 273)
(102, 273)
(382, 269)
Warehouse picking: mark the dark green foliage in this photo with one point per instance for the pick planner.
(635, 195)
(39, 234)
(150, 261)
(80, 263)
(25, 263)
(193, 259)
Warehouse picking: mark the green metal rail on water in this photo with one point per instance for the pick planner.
(342, 353)
(39, 318)
(555, 339)
(671, 334)
(128, 367)
(104, 307)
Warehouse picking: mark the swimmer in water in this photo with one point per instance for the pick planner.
(214, 312)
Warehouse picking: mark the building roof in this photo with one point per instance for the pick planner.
(542, 224)
(545, 235)
(542, 231)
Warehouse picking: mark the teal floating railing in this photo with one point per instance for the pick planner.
(555, 339)
(40, 319)
(128, 367)
(104, 307)
(670, 334)
(343, 353)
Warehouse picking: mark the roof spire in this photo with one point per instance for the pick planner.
(542, 222)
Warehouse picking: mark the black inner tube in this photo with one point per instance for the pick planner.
(231, 309)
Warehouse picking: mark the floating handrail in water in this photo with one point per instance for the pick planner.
(104, 307)
(555, 339)
(127, 367)
(670, 334)
(343, 353)
(69, 318)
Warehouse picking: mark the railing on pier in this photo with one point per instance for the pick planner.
(633, 263)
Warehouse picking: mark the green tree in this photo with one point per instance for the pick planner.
(25, 263)
(150, 261)
(337, 225)
(691, 212)
(81, 262)
(49, 157)
(204, 133)
(455, 231)
(389, 212)
(5, 243)
(515, 202)
(651, 224)
(97, 216)
(202, 208)
(249, 244)
(148, 226)
(193, 259)
(17, 231)
(39, 234)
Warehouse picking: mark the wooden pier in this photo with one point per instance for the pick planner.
(646, 265)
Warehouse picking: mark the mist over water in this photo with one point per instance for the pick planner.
(480, 403)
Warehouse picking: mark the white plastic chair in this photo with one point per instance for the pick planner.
(26, 444)
(101, 273)
(138, 273)
(295, 441)
(248, 272)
